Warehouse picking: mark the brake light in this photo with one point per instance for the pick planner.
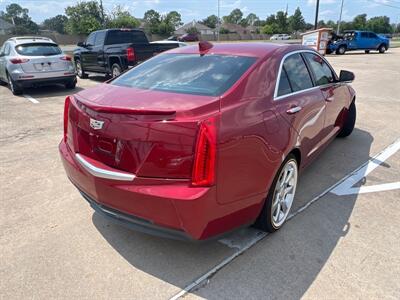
(19, 60)
(66, 110)
(130, 54)
(205, 154)
(66, 58)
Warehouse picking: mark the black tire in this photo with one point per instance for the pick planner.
(264, 220)
(79, 69)
(382, 48)
(116, 70)
(71, 85)
(341, 50)
(350, 121)
(366, 51)
(15, 89)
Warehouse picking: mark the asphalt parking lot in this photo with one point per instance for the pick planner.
(342, 240)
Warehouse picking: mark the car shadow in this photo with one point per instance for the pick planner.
(51, 91)
(373, 52)
(284, 264)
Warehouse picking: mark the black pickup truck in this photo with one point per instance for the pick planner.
(112, 51)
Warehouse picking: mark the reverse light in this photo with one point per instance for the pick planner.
(66, 110)
(18, 60)
(130, 54)
(205, 154)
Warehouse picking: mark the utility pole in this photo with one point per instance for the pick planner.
(218, 22)
(340, 19)
(316, 15)
(102, 13)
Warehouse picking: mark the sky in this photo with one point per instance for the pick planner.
(199, 9)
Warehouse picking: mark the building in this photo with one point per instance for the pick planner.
(5, 27)
(203, 29)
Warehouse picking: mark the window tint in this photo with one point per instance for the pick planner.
(125, 36)
(38, 49)
(209, 75)
(284, 85)
(364, 35)
(372, 35)
(297, 73)
(322, 72)
(100, 36)
(90, 40)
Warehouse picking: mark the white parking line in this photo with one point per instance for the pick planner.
(30, 98)
(260, 235)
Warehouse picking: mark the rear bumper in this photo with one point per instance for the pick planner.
(24, 83)
(165, 207)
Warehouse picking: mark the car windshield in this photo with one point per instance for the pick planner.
(209, 75)
(38, 49)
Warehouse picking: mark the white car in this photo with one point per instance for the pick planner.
(283, 36)
(181, 44)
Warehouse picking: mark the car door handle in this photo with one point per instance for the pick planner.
(330, 99)
(293, 110)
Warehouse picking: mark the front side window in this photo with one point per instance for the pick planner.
(322, 72)
(209, 75)
(90, 40)
(38, 49)
(100, 38)
(372, 35)
(297, 73)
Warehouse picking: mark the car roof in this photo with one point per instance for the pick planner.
(30, 39)
(256, 49)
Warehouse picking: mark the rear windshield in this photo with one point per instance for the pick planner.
(38, 49)
(209, 75)
(125, 37)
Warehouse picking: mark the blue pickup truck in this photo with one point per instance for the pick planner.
(359, 40)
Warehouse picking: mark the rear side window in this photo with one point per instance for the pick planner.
(364, 35)
(322, 72)
(209, 75)
(125, 37)
(297, 73)
(38, 49)
(284, 85)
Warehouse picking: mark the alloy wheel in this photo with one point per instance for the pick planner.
(285, 189)
(79, 69)
(115, 72)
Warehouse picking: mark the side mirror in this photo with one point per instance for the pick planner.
(346, 76)
(81, 44)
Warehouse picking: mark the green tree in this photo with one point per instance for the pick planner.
(331, 24)
(57, 23)
(18, 16)
(270, 20)
(270, 29)
(173, 19)
(120, 18)
(379, 24)
(296, 21)
(210, 21)
(251, 19)
(282, 22)
(360, 22)
(235, 17)
(152, 20)
(84, 17)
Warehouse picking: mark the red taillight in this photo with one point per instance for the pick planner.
(66, 58)
(205, 154)
(19, 60)
(130, 54)
(66, 110)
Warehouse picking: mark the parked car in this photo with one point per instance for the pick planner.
(189, 37)
(196, 152)
(280, 37)
(359, 40)
(113, 51)
(180, 44)
(34, 61)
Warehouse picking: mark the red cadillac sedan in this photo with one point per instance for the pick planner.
(203, 139)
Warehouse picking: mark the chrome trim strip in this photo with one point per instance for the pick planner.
(276, 97)
(101, 173)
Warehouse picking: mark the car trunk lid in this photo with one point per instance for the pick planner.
(43, 64)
